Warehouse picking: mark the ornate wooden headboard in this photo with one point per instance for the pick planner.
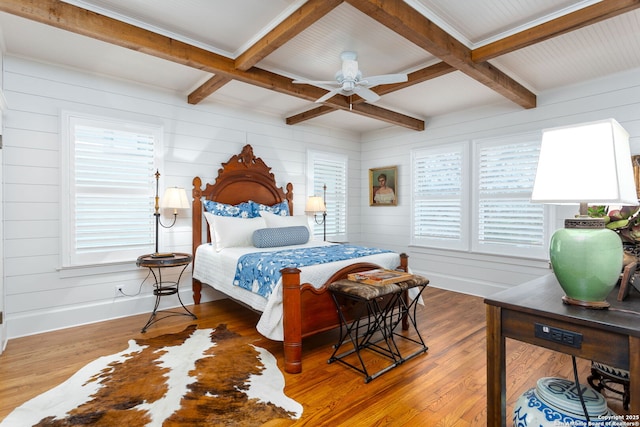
(244, 177)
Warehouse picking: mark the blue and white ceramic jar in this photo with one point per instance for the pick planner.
(555, 402)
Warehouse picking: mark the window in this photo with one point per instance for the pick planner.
(108, 188)
(440, 196)
(476, 198)
(331, 170)
(506, 221)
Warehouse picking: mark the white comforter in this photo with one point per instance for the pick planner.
(218, 269)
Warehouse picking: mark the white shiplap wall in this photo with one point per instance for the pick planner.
(197, 139)
(40, 297)
(617, 96)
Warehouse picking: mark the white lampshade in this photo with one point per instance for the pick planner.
(175, 198)
(585, 163)
(349, 65)
(315, 204)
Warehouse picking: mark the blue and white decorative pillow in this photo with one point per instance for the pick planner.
(280, 236)
(280, 209)
(242, 210)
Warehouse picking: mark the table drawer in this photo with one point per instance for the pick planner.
(596, 344)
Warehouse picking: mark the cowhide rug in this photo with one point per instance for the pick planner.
(199, 377)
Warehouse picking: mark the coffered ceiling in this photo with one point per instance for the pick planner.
(458, 54)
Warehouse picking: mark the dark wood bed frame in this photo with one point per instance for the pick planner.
(246, 177)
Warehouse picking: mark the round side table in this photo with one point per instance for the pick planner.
(161, 288)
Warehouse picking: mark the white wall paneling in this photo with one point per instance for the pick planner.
(3, 318)
(39, 295)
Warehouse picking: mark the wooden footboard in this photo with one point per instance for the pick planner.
(316, 304)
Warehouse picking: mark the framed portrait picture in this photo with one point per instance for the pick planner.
(383, 186)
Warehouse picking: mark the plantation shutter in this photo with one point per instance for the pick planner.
(111, 192)
(505, 180)
(330, 170)
(438, 197)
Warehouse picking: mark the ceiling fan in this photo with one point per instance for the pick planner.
(349, 81)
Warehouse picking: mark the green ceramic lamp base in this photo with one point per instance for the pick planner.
(587, 261)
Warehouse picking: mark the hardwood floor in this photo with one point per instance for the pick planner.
(444, 387)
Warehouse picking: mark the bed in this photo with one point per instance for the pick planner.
(300, 304)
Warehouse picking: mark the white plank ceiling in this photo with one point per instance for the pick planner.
(229, 28)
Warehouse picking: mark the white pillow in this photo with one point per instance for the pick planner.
(209, 217)
(232, 231)
(274, 220)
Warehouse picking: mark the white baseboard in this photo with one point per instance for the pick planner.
(462, 285)
(55, 319)
(52, 320)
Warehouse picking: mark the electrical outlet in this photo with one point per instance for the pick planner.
(119, 291)
(561, 336)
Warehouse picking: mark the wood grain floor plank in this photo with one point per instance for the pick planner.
(444, 387)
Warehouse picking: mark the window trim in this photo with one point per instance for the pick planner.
(461, 244)
(343, 159)
(469, 231)
(523, 251)
(68, 258)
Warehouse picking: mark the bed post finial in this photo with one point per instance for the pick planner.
(246, 155)
(289, 196)
(404, 262)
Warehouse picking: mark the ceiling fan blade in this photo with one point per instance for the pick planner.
(366, 93)
(328, 95)
(384, 79)
(348, 81)
(316, 82)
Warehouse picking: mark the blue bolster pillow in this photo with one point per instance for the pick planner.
(280, 236)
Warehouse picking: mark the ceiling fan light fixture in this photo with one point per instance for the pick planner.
(349, 66)
(350, 69)
(348, 85)
(349, 81)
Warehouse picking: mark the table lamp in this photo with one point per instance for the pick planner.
(174, 198)
(316, 205)
(584, 164)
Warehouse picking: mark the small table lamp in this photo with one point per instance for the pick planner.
(585, 163)
(316, 205)
(174, 198)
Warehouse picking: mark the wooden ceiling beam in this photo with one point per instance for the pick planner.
(290, 27)
(404, 20)
(391, 117)
(581, 18)
(81, 21)
(375, 112)
(309, 114)
(341, 102)
(206, 89)
(395, 14)
(431, 72)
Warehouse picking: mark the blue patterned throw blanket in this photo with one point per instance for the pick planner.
(259, 272)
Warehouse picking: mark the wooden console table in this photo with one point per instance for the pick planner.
(608, 336)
